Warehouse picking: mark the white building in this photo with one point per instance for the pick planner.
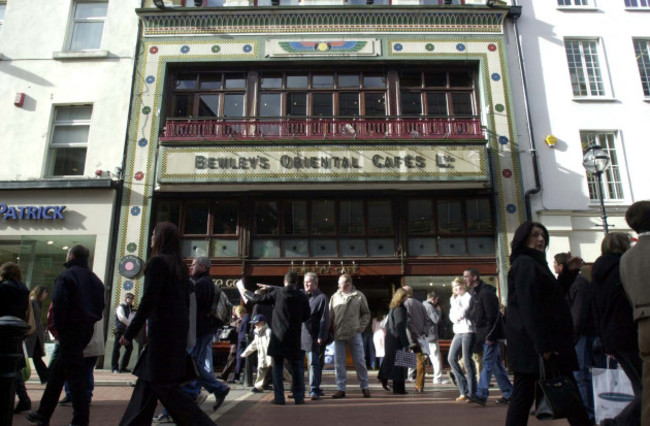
(587, 70)
(66, 71)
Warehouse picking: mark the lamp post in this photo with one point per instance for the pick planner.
(596, 162)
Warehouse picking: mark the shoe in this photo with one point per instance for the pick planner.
(162, 418)
(503, 401)
(116, 371)
(23, 405)
(290, 396)
(314, 397)
(418, 390)
(66, 401)
(476, 400)
(400, 392)
(220, 399)
(268, 387)
(384, 384)
(320, 392)
(277, 402)
(366, 393)
(36, 417)
(452, 377)
(338, 394)
(125, 370)
(462, 398)
(441, 382)
(201, 397)
(300, 402)
(255, 390)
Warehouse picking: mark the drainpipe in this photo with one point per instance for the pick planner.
(529, 123)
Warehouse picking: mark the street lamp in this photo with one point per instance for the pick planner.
(596, 162)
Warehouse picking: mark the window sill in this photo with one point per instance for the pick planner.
(90, 54)
(638, 9)
(595, 99)
(577, 8)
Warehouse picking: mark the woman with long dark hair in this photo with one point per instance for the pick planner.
(396, 339)
(35, 343)
(538, 321)
(162, 366)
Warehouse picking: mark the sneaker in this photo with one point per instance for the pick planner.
(66, 401)
(201, 397)
(462, 398)
(314, 397)
(36, 417)
(300, 401)
(503, 401)
(23, 405)
(255, 390)
(125, 370)
(320, 392)
(162, 418)
(277, 402)
(338, 394)
(220, 399)
(441, 382)
(116, 371)
(476, 400)
(366, 393)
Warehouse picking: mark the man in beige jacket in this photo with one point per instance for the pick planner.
(635, 271)
(349, 316)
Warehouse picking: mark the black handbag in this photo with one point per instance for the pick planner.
(226, 332)
(556, 396)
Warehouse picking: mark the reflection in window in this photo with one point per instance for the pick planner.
(380, 217)
(208, 105)
(322, 217)
(479, 216)
(375, 104)
(351, 217)
(266, 217)
(297, 104)
(420, 217)
(294, 217)
(411, 103)
(196, 218)
(349, 104)
(233, 105)
(450, 219)
(322, 104)
(225, 217)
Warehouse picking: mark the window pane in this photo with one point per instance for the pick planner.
(322, 104)
(322, 81)
(224, 248)
(380, 217)
(186, 81)
(449, 217)
(87, 35)
(322, 217)
(323, 248)
(91, 10)
(266, 217)
(349, 80)
(70, 134)
(462, 103)
(422, 246)
(375, 105)
(349, 104)
(435, 79)
(74, 113)
(233, 105)
(480, 246)
(270, 105)
(437, 104)
(297, 81)
(211, 81)
(295, 248)
(297, 104)
(271, 82)
(168, 211)
(351, 217)
(194, 248)
(235, 81)
(452, 246)
(183, 106)
(420, 217)
(460, 79)
(642, 53)
(351, 247)
(374, 80)
(411, 103)
(381, 247)
(209, 105)
(266, 248)
(294, 217)
(409, 79)
(68, 161)
(196, 218)
(479, 216)
(225, 217)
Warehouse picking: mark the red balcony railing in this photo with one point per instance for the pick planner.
(322, 128)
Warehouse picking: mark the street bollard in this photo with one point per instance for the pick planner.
(12, 332)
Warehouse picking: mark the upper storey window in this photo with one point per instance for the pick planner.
(587, 74)
(437, 93)
(637, 4)
(642, 53)
(87, 25)
(209, 95)
(2, 13)
(573, 3)
(69, 141)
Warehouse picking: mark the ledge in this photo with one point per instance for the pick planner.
(88, 54)
(59, 184)
(595, 99)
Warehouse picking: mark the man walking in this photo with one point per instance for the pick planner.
(349, 316)
(77, 304)
(290, 310)
(485, 315)
(418, 324)
(314, 333)
(435, 315)
(124, 313)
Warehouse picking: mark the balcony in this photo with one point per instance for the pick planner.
(322, 129)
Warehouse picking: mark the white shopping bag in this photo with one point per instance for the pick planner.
(612, 392)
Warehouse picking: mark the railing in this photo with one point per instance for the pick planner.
(323, 128)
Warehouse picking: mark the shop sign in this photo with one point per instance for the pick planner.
(31, 212)
(333, 163)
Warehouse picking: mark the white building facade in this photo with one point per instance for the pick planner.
(587, 71)
(66, 71)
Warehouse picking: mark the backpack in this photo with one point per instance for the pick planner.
(221, 306)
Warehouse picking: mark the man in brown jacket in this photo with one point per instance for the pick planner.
(635, 270)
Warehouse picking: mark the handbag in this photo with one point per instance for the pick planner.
(226, 332)
(556, 396)
(612, 391)
(405, 359)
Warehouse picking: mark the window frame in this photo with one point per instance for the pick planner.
(573, 4)
(584, 70)
(638, 5)
(49, 170)
(643, 62)
(73, 22)
(614, 175)
(3, 9)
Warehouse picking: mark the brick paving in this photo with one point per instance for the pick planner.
(435, 406)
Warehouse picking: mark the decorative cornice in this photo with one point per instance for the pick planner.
(318, 19)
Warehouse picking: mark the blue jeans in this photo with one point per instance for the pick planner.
(201, 351)
(369, 349)
(583, 374)
(356, 349)
(315, 371)
(297, 370)
(492, 365)
(464, 342)
(89, 366)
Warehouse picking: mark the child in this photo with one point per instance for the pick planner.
(260, 344)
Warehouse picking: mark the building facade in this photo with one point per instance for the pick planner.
(587, 66)
(65, 74)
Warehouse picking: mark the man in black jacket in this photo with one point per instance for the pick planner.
(77, 304)
(290, 310)
(485, 315)
(123, 316)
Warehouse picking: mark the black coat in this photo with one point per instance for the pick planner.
(165, 304)
(14, 299)
(538, 318)
(317, 327)
(204, 290)
(290, 310)
(612, 309)
(485, 314)
(396, 339)
(580, 298)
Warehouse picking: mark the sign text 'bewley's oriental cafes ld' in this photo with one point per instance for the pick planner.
(333, 163)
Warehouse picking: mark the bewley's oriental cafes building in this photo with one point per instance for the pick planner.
(374, 140)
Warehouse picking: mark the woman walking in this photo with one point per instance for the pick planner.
(464, 338)
(162, 366)
(35, 343)
(538, 323)
(396, 339)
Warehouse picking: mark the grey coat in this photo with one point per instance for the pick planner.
(38, 337)
(635, 270)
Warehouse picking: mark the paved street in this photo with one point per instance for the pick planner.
(435, 406)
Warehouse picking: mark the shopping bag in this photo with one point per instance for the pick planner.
(405, 359)
(612, 392)
(556, 396)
